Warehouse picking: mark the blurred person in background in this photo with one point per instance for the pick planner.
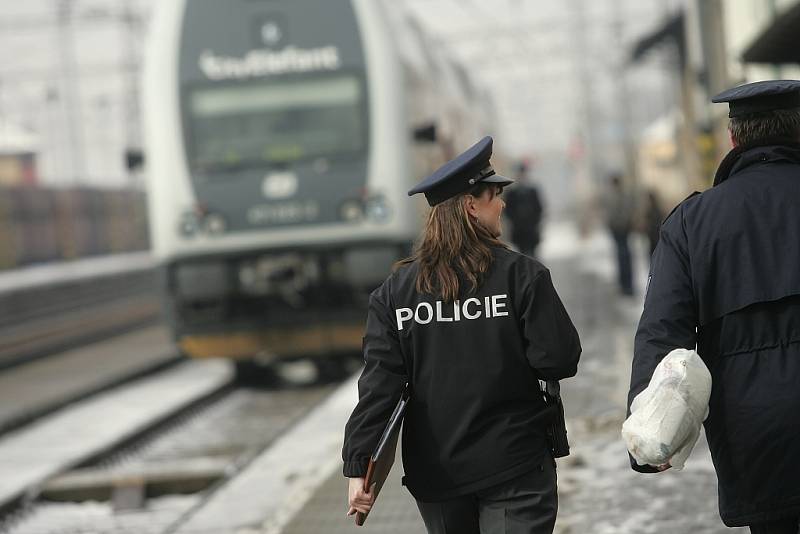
(524, 209)
(471, 326)
(620, 208)
(725, 277)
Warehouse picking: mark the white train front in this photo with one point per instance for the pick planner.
(279, 149)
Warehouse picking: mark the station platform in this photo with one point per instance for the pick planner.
(51, 307)
(34, 276)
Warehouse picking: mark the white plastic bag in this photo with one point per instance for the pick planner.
(666, 416)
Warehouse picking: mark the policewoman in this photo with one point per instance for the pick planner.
(471, 326)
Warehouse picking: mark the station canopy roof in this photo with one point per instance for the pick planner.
(778, 42)
(671, 32)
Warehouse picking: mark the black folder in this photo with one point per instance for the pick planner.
(382, 459)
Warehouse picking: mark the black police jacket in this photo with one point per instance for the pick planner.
(475, 418)
(725, 276)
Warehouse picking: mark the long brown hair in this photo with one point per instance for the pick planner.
(452, 244)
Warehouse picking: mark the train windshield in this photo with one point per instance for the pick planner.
(267, 123)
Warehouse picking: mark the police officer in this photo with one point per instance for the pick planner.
(725, 277)
(471, 326)
(620, 207)
(524, 209)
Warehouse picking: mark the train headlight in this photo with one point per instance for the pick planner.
(215, 224)
(352, 210)
(378, 209)
(188, 225)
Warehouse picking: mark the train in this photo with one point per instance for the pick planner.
(281, 137)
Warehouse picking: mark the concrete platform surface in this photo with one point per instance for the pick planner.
(72, 271)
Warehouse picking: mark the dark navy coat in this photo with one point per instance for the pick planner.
(725, 277)
(476, 417)
(524, 209)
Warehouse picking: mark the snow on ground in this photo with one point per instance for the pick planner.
(599, 492)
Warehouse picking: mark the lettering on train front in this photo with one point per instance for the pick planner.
(258, 63)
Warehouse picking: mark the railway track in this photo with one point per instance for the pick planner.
(46, 385)
(69, 331)
(94, 428)
(98, 414)
(162, 472)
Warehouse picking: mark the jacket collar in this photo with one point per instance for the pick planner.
(745, 155)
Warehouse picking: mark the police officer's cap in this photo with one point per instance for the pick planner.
(758, 97)
(461, 174)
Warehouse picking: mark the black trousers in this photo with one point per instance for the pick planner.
(524, 505)
(782, 526)
(624, 262)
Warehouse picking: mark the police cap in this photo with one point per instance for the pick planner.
(758, 97)
(461, 174)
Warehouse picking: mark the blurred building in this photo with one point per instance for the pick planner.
(762, 37)
(711, 45)
(753, 44)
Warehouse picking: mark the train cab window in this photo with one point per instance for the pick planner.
(269, 123)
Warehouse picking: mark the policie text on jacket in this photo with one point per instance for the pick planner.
(471, 308)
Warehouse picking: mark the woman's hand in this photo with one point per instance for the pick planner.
(358, 499)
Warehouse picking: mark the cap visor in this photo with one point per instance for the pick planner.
(497, 179)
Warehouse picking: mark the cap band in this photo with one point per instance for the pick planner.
(454, 187)
(749, 106)
(483, 173)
